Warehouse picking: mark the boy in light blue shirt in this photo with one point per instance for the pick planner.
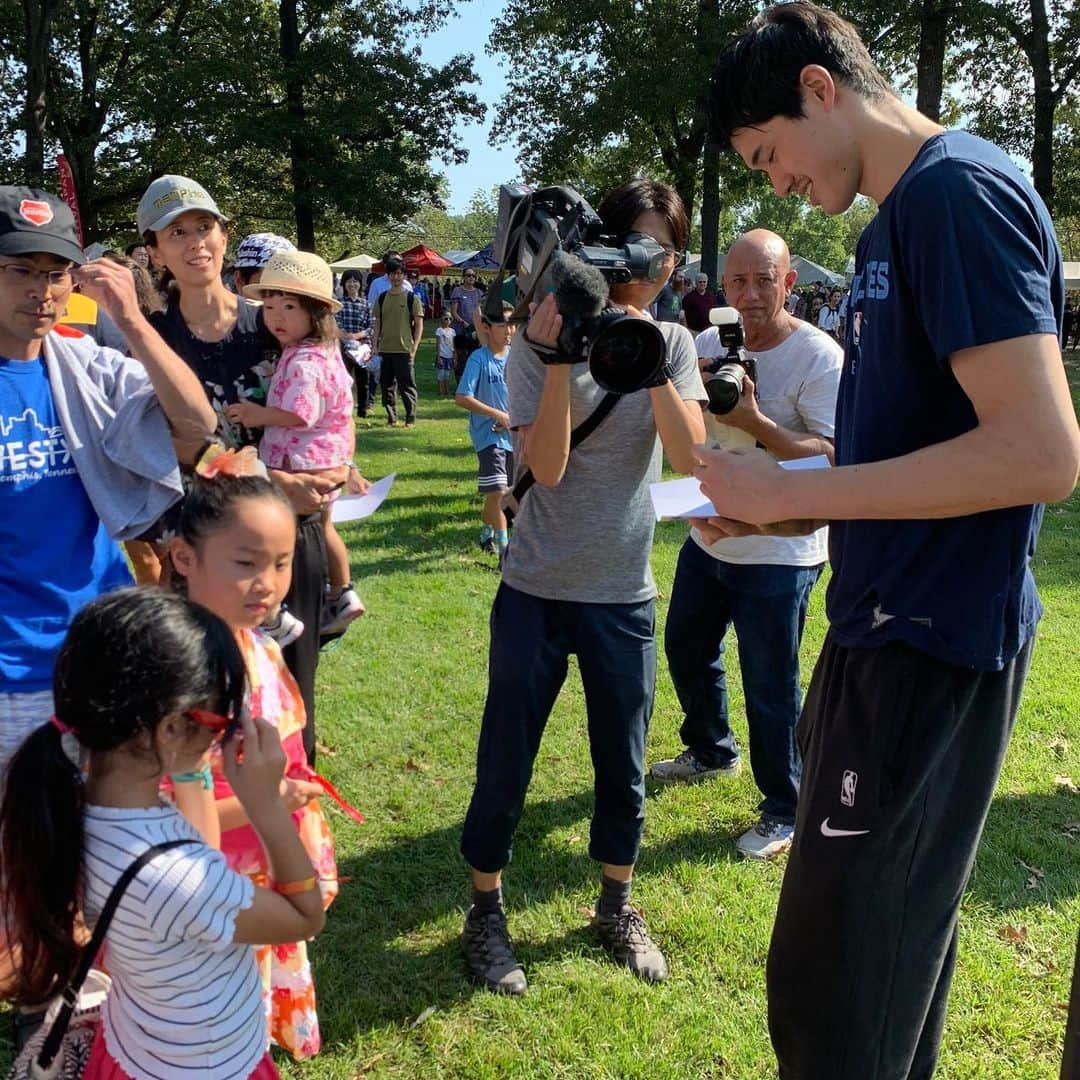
(482, 390)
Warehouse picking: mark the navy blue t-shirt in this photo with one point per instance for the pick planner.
(961, 253)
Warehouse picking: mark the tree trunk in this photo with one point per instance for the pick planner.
(1042, 142)
(710, 214)
(930, 66)
(38, 20)
(299, 165)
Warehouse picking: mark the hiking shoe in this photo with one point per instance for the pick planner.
(489, 957)
(626, 938)
(687, 769)
(285, 628)
(337, 614)
(410, 423)
(767, 838)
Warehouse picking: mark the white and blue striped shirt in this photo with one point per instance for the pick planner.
(186, 1001)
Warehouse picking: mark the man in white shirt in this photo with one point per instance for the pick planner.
(761, 584)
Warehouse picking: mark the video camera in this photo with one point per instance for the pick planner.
(730, 370)
(553, 240)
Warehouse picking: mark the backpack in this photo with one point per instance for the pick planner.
(410, 310)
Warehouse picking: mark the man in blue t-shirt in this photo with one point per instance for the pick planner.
(86, 456)
(482, 390)
(954, 424)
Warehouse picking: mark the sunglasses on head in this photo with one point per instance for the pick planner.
(223, 727)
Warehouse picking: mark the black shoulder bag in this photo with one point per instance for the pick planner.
(62, 1050)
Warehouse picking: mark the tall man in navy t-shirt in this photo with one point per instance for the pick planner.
(954, 423)
(86, 454)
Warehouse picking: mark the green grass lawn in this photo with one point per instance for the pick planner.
(399, 711)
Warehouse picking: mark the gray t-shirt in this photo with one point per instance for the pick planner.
(589, 537)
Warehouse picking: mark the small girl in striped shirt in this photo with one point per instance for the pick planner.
(148, 682)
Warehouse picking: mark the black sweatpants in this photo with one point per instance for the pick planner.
(901, 753)
(305, 601)
(398, 372)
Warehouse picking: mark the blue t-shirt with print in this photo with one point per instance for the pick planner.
(484, 378)
(55, 555)
(961, 253)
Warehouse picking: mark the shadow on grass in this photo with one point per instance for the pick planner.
(1031, 829)
(369, 976)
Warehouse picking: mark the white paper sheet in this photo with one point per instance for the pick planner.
(358, 507)
(682, 498)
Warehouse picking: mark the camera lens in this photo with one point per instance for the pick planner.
(725, 389)
(625, 353)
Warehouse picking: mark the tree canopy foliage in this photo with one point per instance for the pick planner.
(291, 114)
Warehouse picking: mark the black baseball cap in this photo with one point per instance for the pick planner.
(34, 222)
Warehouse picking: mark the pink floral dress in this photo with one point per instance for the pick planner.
(288, 986)
(311, 381)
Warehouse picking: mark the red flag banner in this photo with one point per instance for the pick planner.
(67, 192)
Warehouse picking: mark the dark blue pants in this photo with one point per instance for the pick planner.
(767, 605)
(531, 640)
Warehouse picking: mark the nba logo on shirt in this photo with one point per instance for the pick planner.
(847, 787)
(856, 328)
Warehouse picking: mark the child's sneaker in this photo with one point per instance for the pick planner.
(284, 628)
(337, 614)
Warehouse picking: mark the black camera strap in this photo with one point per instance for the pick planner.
(577, 437)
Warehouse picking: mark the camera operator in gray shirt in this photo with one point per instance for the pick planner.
(576, 580)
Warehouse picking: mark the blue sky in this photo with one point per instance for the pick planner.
(487, 166)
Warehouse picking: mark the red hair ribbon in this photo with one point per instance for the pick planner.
(61, 726)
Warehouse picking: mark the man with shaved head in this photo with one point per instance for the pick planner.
(761, 584)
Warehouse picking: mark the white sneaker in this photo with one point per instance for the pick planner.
(766, 839)
(340, 612)
(687, 769)
(285, 629)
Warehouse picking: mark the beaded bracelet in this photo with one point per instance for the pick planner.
(293, 888)
(202, 776)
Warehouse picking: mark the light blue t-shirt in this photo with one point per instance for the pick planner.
(484, 378)
(55, 555)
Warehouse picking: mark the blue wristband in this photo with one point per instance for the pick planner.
(202, 776)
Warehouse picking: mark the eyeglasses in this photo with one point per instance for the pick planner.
(21, 274)
(222, 726)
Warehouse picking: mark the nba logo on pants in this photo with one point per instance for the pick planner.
(847, 787)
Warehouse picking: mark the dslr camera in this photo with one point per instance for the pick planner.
(730, 370)
(553, 240)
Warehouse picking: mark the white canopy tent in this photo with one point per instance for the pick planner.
(357, 262)
(807, 271)
(1072, 275)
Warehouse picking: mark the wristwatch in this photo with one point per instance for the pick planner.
(664, 374)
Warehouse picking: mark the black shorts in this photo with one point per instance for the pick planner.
(466, 341)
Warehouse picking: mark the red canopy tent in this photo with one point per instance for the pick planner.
(423, 260)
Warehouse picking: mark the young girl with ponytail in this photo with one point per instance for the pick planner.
(147, 682)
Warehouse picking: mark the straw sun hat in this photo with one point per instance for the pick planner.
(298, 272)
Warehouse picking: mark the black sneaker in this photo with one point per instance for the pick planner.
(626, 937)
(488, 955)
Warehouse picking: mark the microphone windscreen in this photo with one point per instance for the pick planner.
(580, 289)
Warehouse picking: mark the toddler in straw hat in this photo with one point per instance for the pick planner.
(308, 412)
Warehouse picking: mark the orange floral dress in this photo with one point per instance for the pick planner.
(288, 986)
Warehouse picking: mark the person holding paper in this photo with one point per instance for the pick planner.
(759, 584)
(954, 424)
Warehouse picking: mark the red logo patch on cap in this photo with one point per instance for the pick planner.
(36, 211)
